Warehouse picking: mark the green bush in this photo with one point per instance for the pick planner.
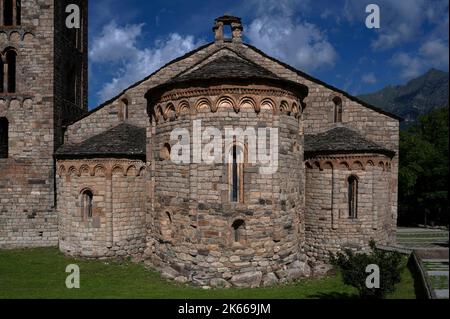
(353, 269)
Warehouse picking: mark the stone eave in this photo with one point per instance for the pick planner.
(308, 155)
(90, 156)
(298, 89)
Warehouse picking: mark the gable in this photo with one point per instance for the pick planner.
(328, 86)
(191, 62)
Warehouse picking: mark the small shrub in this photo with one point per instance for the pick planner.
(353, 268)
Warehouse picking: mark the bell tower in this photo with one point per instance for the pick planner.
(234, 23)
(43, 86)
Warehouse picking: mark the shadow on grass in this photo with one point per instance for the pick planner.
(419, 288)
(334, 295)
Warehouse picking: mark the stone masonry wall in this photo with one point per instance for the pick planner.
(34, 112)
(328, 226)
(27, 216)
(318, 117)
(117, 227)
(191, 223)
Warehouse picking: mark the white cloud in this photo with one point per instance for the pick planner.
(432, 54)
(410, 66)
(401, 21)
(436, 53)
(421, 23)
(273, 7)
(369, 78)
(280, 31)
(117, 44)
(300, 44)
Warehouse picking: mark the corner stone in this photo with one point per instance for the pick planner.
(270, 279)
(219, 283)
(169, 273)
(248, 279)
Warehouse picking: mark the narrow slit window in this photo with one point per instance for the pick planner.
(8, 12)
(353, 197)
(18, 12)
(11, 59)
(337, 110)
(236, 174)
(124, 109)
(87, 201)
(4, 126)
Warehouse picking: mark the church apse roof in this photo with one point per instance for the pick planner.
(341, 140)
(227, 67)
(124, 140)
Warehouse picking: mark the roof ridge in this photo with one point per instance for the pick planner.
(199, 63)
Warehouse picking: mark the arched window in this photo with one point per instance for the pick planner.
(11, 58)
(337, 110)
(238, 231)
(12, 10)
(236, 174)
(124, 109)
(4, 137)
(87, 201)
(352, 197)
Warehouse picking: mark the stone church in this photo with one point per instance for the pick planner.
(101, 183)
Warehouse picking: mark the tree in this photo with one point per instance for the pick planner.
(423, 173)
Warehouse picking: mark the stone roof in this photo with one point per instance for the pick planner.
(124, 140)
(227, 67)
(341, 140)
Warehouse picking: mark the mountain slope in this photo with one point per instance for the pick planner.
(419, 96)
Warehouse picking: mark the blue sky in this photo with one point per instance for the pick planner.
(327, 39)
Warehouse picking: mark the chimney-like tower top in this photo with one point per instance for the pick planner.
(228, 20)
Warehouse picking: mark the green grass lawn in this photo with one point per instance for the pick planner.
(40, 273)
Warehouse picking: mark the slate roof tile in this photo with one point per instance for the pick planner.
(123, 140)
(341, 140)
(227, 67)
